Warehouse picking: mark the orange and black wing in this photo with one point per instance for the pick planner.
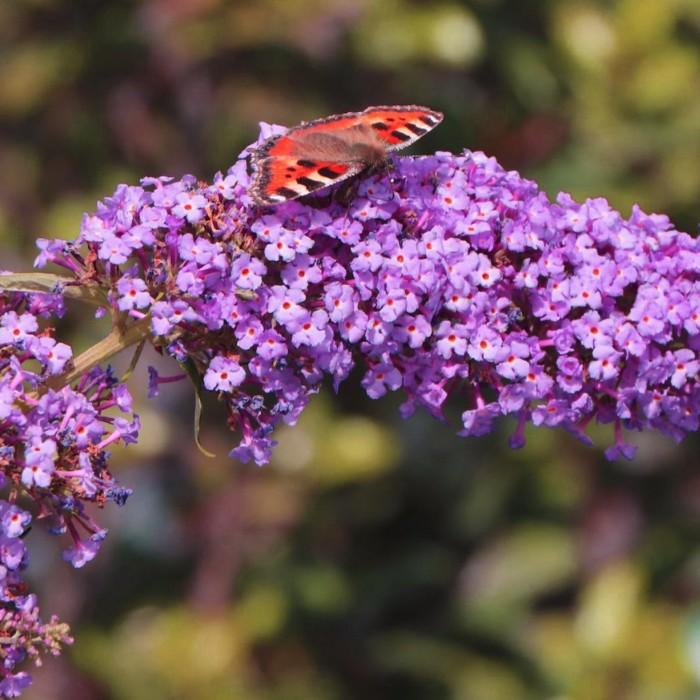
(280, 175)
(283, 171)
(400, 126)
(397, 126)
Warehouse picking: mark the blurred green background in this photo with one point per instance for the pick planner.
(374, 558)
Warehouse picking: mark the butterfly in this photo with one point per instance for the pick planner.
(319, 153)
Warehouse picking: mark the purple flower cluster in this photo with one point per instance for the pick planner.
(447, 277)
(23, 635)
(53, 453)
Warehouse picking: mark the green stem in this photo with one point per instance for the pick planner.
(114, 343)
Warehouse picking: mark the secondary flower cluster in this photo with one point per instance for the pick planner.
(53, 452)
(449, 277)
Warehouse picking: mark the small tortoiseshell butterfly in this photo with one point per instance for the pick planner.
(319, 153)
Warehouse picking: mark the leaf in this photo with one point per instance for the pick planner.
(196, 379)
(49, 283)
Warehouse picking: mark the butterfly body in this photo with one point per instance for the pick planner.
(322, 152)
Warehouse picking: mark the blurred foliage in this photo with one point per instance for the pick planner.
(374, 558)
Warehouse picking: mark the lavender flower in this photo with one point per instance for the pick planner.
(447, 277)
(461, 279)
(52, 453)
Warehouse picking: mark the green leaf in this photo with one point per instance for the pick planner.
(196, 379)
(49, 283)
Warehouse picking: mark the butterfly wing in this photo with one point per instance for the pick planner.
(322, 152)
(282, 174)
(397, 127)
(402, 125)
